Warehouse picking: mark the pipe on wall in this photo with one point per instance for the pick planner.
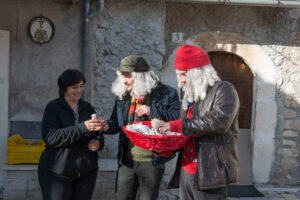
(87, 15)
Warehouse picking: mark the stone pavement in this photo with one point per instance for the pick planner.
(274, 194)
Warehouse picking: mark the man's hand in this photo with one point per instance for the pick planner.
(156, 123)
(164, 127)
(104, 124)
(93, 145)
(143, 110)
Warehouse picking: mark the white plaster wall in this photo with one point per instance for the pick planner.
(34, 68)
(265, 109)
(4, 85)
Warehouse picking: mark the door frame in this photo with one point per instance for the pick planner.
(4, 103)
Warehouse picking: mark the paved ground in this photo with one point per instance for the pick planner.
(273, 195)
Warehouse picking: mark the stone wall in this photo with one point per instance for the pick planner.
(124, 28)
(277, 31)
(287, 168)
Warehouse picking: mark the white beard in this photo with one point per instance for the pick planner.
(144, 83)
(197, 81)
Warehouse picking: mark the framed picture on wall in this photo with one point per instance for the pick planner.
(40, 29)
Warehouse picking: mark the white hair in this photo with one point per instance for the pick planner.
(144, 83)
(197, 81)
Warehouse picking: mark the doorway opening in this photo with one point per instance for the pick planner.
(233, 69)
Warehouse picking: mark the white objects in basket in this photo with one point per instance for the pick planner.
(140, 128)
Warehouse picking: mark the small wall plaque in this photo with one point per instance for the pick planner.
(177, 37)
(40, 29)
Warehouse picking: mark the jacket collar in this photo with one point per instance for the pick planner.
(159, 87)
(64, 104)
(126, 97)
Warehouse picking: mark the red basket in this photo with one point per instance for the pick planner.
(156, 142)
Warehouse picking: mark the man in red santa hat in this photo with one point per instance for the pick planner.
(209, 161)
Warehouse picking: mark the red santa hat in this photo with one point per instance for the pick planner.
(189, 57)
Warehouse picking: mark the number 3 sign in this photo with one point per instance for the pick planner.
(177, 37)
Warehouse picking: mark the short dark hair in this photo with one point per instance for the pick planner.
(68, 78)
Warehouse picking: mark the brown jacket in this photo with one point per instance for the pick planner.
(215, 125)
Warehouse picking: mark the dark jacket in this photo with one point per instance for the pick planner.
(66, 152)
(215, 125)
(165, 105)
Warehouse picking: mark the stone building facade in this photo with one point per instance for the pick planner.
(266, 38)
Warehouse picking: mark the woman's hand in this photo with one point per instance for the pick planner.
(93, 124)
(93, 145)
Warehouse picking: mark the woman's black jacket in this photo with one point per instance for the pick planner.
(67, 153)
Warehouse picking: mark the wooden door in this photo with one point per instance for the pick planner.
(233, 69)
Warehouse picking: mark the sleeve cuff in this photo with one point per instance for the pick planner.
(176, 126)
(110, 124)
(154, 112)
(82, 127)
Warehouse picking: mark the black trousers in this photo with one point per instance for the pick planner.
(188, 192)
(142, 176)
(62, 188)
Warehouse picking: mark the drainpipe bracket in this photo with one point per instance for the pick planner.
(98, 9)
